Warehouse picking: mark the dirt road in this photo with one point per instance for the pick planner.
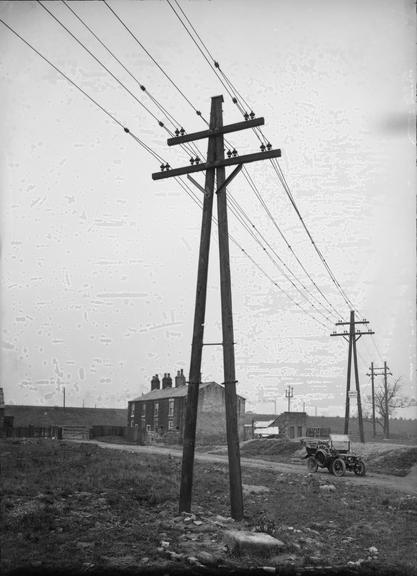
(406, 484)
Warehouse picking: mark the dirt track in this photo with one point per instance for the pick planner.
(403, 484)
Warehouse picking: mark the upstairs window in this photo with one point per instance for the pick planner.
(171, 408)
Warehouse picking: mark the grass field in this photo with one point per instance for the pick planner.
(82, 507)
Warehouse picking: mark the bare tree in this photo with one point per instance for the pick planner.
(394, 401)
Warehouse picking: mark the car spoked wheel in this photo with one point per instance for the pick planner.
(320, 457)
(312, 464)
(360, 469)
(338, 467)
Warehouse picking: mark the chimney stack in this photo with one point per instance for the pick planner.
(179, 378)
(166, 381)
(155, 383)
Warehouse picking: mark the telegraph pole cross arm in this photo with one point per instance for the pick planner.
(245, 159)
(215, 181)
(216, 132)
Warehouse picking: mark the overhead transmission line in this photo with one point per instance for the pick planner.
(263, 139)
(235, 96)
(236, 208)
(155, 62)
(183, 184)
(188, 149)
(245, 171)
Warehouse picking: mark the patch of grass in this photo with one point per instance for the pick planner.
(397, 462)
(78, 505)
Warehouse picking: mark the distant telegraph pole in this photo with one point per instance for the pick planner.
(63, 397)
(352, 337)
(289, 393)
(372, 375)
(384, 372)
(214, 168)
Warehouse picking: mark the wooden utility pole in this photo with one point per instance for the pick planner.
(289, 393)
(352, 337)
(384, 372)
(372, 375)
(63, 397)
(214, 168)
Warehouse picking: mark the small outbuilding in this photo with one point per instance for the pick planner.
(292, 425)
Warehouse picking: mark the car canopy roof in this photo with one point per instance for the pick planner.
(339, 437)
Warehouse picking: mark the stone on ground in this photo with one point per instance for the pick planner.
(252, 542)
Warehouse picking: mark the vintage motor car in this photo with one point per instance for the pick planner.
(333, 454)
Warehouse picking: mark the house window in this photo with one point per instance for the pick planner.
(143, 409)
(156, 410)
(132, 410)
(299, 431)
(292, 432)
(171, 408)
(148, 427)
(170, 424)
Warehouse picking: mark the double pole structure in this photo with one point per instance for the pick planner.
(215, 177)
(352, 336)
(380, 372)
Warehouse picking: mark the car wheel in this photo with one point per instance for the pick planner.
(321, 458)
(360, 468)
(312, 464)
(338, 467)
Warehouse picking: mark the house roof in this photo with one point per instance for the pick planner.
(172, 392)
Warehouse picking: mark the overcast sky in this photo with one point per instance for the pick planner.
(99, 262)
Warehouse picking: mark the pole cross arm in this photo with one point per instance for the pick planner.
(357, 333)
(224, 130)
(355, 322)
(217, 164)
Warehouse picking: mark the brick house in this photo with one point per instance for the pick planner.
(160, 414)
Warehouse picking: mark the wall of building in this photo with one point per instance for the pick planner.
(211, 399)
(292, 425)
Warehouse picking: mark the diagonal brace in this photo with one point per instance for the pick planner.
(230, 178)
(225, 183)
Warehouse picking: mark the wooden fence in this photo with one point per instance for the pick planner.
(97, 431)
(33, 432)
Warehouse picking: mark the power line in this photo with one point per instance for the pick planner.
(127, 130)
(273, 220)
(165, 112)
(210, 57)
(187, 149)
(279, 174)
(154, 61)
(105, 67)
(148, 53)
(244, 219)
(283, 181)
(155, 155)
